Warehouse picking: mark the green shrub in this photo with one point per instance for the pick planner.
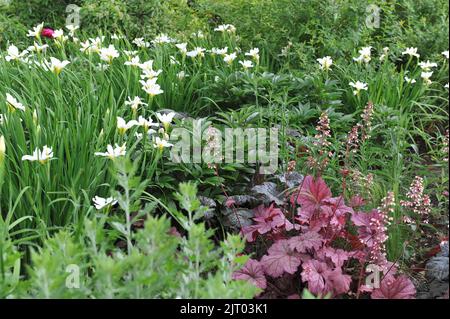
(132, 17)
(139, 17)
(158, 265)
(335, 28)
(314, 28)
(17, 16)
(32, 12)
(9, 267)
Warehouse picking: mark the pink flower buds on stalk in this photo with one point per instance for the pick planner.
(321, 143)
(445, 147)
(418, 202)
(353, 138)
(291, 166)
(380, 224)
(367, 121)
(323, 131)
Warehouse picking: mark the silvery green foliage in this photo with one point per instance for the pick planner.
(158, 264)
(290, 179)
(269, 193)
(236, 218)
(242, 201)
(9, 268)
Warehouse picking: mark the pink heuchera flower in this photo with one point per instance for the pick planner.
(418, 202)
(372, 232)
(47, 33)
(395, 288)
(252, 272)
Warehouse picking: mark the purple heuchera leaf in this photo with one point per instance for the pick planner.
(267, 219)
(312, 194)
(337, 211)
(323, 279)
(307, 241)
(338, 282)
(337, 256)
(357, 201)
(313, 273)
(317, 208)
(395, 288)
(280, 258)
(366, 231)
(252, 272)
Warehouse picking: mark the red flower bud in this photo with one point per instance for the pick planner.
(47, 33)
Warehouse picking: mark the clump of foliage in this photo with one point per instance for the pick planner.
(140, 17)
(15, 15)
(304, 29)
(155, 261)
(361, 111)
(317, 247)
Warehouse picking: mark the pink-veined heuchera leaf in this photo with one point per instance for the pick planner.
(357, 201)
(361, 219)
(337, 210)
(250, 232)
(338, 282)
(318, 209)
(267, 219)
(313, 273)
(395, 288)
(252, 272)
(281, 258)
(312, 193)
(366, 232)
(322, 279)
(337, 256)
(308, 241)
